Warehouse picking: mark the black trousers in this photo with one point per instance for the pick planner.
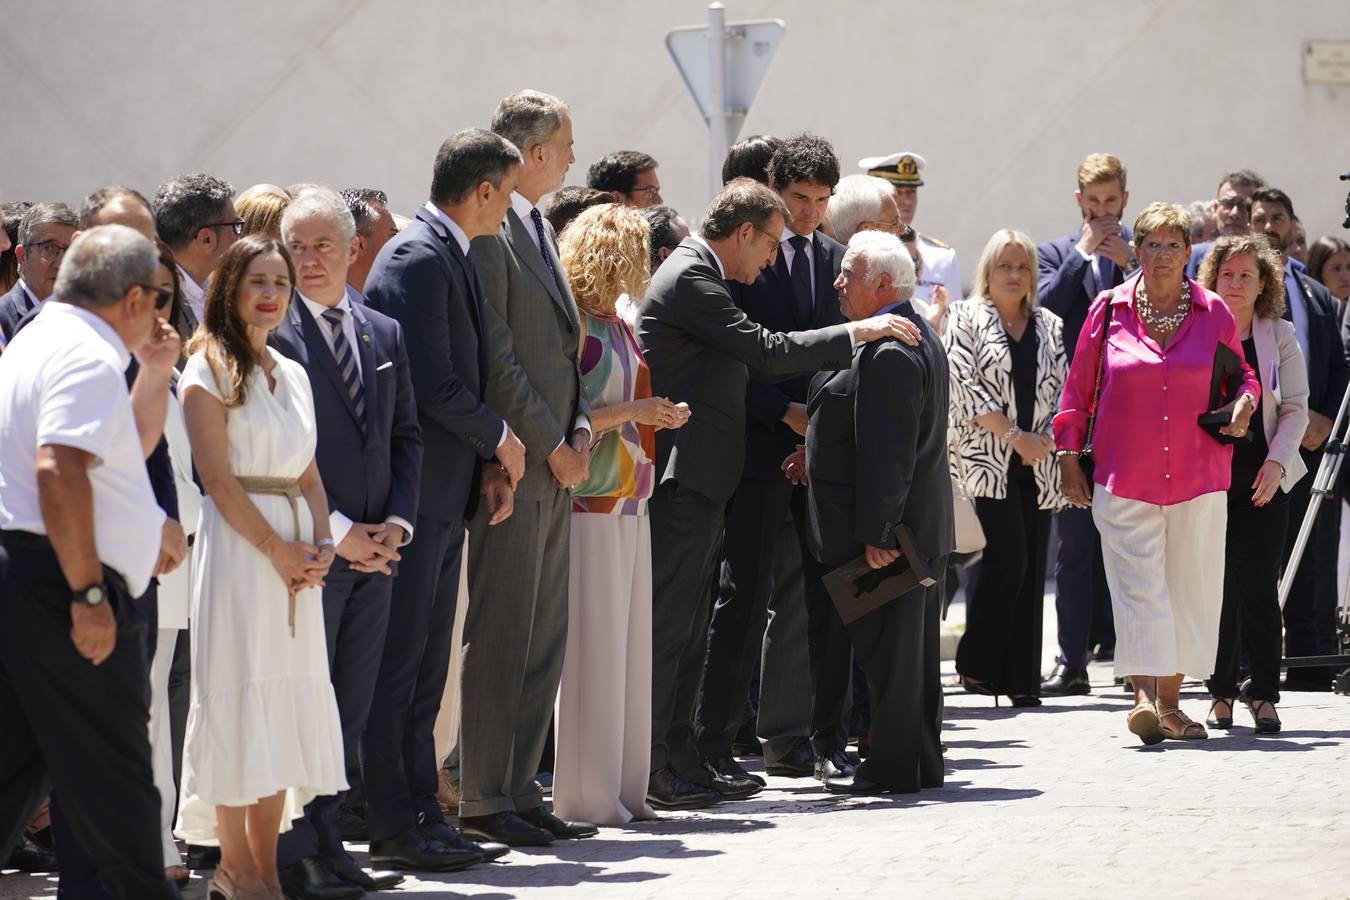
(1250, 620)
(1002, 643)
(1310, 610)
(752, 548)
(398, 750)
(1082, 596)
(75, 728)
(356, 621)
(686, 527)
(897, 646)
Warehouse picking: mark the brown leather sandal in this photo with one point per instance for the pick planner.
(1191, 730)
(1144, 723)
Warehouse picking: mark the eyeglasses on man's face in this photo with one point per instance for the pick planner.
(49, 250)
(237, 226)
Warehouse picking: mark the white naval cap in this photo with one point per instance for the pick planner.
(903, 169)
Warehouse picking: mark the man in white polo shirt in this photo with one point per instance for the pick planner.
(79, 539)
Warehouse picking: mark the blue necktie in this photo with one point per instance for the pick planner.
(538, 221)
(346, 363)
(1106, 274)
(801, 278)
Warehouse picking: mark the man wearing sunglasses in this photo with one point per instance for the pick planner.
(196, 217)
(45, 234)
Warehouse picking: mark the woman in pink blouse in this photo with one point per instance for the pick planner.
(1162, 503)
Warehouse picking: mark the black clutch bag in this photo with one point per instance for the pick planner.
(1224, 379)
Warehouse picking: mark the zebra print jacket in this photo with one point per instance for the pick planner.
(981, 382)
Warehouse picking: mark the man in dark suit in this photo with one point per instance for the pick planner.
(425, 279)
(1072, 271)
(45, 233)
(370, 456)
(876, 459)
(796, 293)
(698, 344)
(1310, 610)
(516, 627)
(1232, 205)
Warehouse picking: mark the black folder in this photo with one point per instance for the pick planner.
(856, 588)
(1224, 380)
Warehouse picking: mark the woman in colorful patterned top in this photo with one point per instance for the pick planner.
(604, 703)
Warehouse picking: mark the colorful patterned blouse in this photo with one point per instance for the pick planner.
(623, 467)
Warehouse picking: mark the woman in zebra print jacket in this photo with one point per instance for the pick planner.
(1007, 369)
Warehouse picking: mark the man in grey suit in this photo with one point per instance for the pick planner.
(698, 344)
(516, 626)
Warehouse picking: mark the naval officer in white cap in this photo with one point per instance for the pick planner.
(904, 170)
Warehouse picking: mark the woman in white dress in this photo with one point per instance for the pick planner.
(263, 736)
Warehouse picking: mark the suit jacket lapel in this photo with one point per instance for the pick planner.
(522, 241)
(365, 346)
(317, 347)
(824, 282)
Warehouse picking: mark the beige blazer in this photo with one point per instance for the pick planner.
(1284, 394)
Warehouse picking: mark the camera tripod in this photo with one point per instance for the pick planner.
(1323, 489)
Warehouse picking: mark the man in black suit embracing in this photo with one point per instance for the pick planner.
(370, 455)
(698, 344)
(795, 293)
(876, 459)
(425, 278)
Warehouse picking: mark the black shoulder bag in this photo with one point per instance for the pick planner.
(1085, 461)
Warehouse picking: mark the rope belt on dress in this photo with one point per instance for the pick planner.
(278, 487)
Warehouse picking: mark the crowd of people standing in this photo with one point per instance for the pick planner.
(320, 524)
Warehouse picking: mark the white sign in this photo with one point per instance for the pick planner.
(1326, 62)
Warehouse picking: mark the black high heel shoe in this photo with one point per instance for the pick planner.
(1024, 701)
(1222, 723)
(970, 686)
(1264, 724)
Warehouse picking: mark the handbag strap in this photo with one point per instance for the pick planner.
(1097, 385)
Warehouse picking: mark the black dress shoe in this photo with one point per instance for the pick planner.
(854, 785)
(732, 769)
(351, 825)
(836, 766)
(414, 850)
(313, 878)
(540, 817)
(30, 856)
(202, 858)
(1024, 701)
(439, 831)
(345, 867)
(727, 787)
(505, 828)
(799, 762)
(666, 790)
(1066, 682)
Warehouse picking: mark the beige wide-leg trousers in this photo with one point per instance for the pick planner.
(1165, 567)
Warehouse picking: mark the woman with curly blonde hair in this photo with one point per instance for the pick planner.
(604, 703)
(1248, 274)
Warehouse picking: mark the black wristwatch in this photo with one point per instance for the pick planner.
(90, 596)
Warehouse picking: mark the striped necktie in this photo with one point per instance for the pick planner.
(537, 218)
(346, 363)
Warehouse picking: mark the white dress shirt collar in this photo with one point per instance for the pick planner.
(194, 294)
(32, 297)
(460, 237)
(721, 269)
(525, 209)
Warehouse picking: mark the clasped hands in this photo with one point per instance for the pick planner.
(300, 564)
(370, 548)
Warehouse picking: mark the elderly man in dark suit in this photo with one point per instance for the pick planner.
(370, 454)
(794, 294)
(1072, 270)
(1310, 610)
(516, 627)
(425, 278)
(698, 344)
(876, 459)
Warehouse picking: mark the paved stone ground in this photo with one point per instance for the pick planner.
(1058, 801)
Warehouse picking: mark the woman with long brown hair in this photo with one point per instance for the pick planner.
(264, 736)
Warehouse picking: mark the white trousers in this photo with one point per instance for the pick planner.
(161, 741)
(604, 714)
(1165, 566)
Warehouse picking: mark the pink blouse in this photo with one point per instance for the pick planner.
(1146, 444)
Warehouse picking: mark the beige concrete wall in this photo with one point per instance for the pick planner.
(1002, 98)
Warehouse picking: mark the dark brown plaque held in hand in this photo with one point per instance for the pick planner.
(857, 589)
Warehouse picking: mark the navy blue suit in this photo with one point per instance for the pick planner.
(423, 279)
(1310, 611)
(1066, 285)
(370, 472)
(749, 578)
(14, 308)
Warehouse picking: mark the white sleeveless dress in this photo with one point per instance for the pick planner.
(263, 716)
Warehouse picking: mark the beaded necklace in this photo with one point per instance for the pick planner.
(1156, 321)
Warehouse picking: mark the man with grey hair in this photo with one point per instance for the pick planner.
(79, 541)
(370, 458)
(196, 218)
(425, 278)
(516, 626)
(374, 228)
(875, 464)
(45, 233)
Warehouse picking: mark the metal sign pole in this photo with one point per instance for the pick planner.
(717, 95)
